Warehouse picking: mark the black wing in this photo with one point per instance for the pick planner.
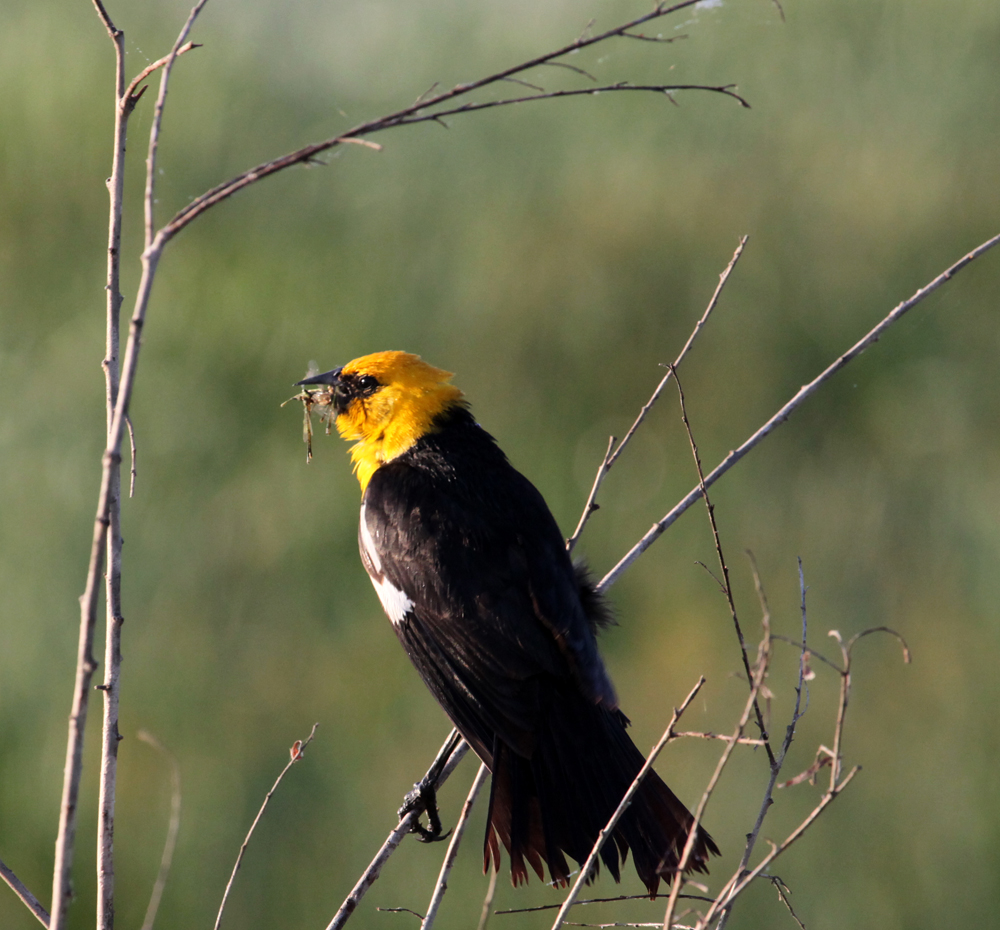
(487, 603)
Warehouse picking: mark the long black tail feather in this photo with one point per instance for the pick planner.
(560, 799)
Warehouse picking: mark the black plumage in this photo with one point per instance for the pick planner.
(474, 573)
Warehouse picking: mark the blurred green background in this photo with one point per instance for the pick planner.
(552, 255)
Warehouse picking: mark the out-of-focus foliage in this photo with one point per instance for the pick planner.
(552, 255)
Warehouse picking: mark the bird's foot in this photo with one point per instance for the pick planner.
(423, 798)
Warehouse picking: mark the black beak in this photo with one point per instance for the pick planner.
(328, 377)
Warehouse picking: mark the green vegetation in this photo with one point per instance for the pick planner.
(552, 255)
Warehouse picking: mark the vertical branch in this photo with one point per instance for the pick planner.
(724, 901)
(86, 665)
(456, 838)
(110, 737)
(296, 753)
(756, 682)
(173, 828)
(106, 517)
(726, 586)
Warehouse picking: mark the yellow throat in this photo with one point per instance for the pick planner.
(388, 421)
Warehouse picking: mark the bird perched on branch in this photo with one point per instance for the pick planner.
(473, 572)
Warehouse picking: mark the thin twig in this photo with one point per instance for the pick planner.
(106, 534)
(743, 740)
(776, 851)
(450, 754)
(775, 768)
(786, 411)
(155, 66)
(563, 64)
(726, 586)
(297, 751)
(603, 836)
(645, 38)
(611, 456)
(400, 910)
(133, 460)
(456, 838)
(580, 902)
(514, 80)
(592, 504)
(491, 890)
(19, 888)
(173, 828)
(110, 737)
(760, 673)
(408, 115)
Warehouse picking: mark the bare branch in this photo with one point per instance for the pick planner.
(591, 504)
(668, 89)
(412, 114)
(645, 38)
(18, 887)
(484, 917)
(760, 673)
(297, 751)
(610, 457)
(514, 80)
(776, 851)
(580, 902)
(113, 30)
(697, 734)
(130, 93)
(173, 827)
(726, 895)
(132, 457)
(726, 586)
(563, 64)
(602, 837)
(451, 753)
(456, 838)
(786, 411)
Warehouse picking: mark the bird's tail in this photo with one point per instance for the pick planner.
(557, 802)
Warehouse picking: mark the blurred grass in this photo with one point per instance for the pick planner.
(552, 255)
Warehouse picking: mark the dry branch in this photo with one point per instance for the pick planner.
(726, 585)
(173, 827)
(786, 411)
(450, 754)
(19, 888)
(611, 456)
(415, 113)
(456, 838)
(297, 751)
(120, 385)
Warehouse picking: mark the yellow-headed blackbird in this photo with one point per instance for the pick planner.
(473, 572)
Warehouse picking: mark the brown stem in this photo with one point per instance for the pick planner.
(298, 749)
(414, 114)
(786, 411)
(450, 755)
(611, 456)
(456, 838)
(19, 888)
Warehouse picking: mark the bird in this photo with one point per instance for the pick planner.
(474, 575)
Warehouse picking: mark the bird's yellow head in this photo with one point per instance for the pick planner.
(386, 401)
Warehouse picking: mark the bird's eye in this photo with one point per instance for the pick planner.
(367, 384)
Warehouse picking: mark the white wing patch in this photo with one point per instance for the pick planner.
(396, 604)
(368, 544)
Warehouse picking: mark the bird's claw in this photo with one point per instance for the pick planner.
(422, 798)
